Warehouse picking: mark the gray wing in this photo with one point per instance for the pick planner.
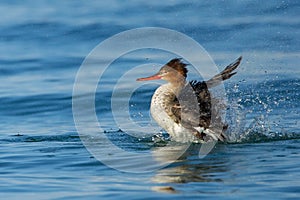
(225, 74)
(192, 107)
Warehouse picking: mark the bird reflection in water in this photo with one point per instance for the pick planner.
(187, 168)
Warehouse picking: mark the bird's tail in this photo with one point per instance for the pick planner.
(225, 74)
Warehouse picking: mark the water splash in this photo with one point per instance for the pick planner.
(256, 113)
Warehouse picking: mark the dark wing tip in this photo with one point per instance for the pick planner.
(225, 74)
(234, 65)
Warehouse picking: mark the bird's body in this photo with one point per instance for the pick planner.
(184, 109)
(161, 110)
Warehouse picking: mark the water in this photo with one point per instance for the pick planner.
(42, 45)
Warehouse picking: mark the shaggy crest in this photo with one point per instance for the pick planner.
(178, 65)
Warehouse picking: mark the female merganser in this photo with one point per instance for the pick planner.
(185, 109)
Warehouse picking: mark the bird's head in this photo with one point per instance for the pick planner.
(174, 71)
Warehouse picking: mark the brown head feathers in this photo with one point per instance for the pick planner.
(178, 65)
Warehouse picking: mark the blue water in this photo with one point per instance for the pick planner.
(42, 46)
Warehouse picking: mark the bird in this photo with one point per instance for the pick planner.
(185, 109)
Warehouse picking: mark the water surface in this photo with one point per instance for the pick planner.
(43, 44)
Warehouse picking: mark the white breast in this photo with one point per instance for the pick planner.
(158, 111)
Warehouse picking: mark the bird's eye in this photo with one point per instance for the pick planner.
(163, 72)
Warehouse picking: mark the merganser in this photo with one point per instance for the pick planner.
(184, 109)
